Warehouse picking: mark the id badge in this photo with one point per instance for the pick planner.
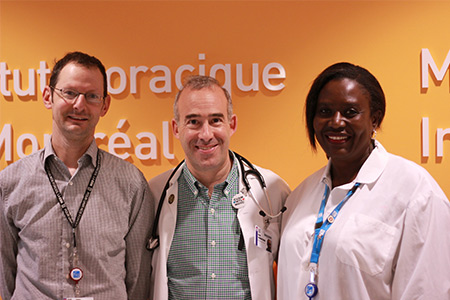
(79, 298)
(262, 239)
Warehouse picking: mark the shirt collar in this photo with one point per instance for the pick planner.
(195, 186)
(91, 152)
(233, 177)
(190, 180)
(370, 170)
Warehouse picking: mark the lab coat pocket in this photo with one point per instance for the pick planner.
(365, 243)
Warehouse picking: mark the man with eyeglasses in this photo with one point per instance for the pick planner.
(74, 219)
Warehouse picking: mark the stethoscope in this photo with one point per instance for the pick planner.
(153, 242)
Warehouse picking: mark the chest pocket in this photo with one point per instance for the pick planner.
(365, 243)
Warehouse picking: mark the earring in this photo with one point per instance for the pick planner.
(374, 134)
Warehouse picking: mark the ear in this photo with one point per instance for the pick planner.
(376, 117)
(233, 124)
(105, 106)
(47, 97)
(175, 129)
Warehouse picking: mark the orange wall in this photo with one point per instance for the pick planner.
(302, 36)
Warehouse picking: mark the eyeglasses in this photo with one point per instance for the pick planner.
(72, 95)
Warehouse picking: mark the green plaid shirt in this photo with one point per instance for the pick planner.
(204, 260)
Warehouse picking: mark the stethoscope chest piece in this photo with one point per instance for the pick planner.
(238, 201)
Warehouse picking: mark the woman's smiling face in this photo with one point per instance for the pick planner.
(343, 122)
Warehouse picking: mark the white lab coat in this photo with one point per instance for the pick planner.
(390, 240)
(260, 261)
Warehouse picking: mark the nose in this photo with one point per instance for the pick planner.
(78, 103)
(337, 120)
(205, 133)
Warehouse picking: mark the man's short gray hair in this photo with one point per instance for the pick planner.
(198, 82)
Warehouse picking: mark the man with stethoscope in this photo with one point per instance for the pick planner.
(217, 227)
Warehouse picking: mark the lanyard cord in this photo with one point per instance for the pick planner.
(322, 227)
(62, 203)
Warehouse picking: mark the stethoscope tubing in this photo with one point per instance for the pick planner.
(154, 239)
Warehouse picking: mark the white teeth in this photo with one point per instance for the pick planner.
(337, 138)
(77, 118)
(205, 148)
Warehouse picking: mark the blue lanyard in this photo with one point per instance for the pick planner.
(322, 227)
(320, 230)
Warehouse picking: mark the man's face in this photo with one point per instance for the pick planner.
(76, 120)
(204, 129)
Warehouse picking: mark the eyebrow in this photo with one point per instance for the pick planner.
(91, 91)
(217, 115)
(191, 116)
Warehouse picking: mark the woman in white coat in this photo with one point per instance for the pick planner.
(369, 225)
